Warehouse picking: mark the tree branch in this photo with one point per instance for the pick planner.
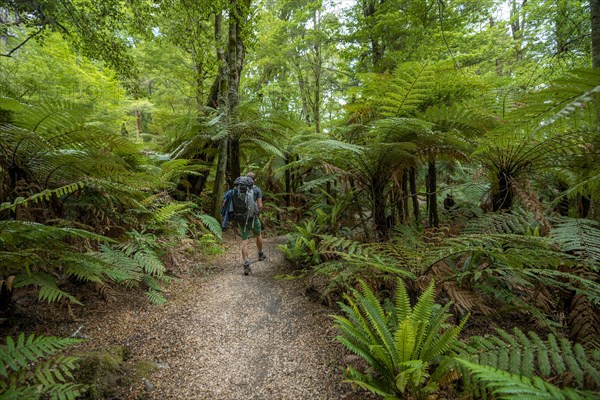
(9, 54)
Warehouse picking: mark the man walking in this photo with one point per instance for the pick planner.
(245, 199)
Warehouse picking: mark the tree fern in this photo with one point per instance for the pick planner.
(30, 371)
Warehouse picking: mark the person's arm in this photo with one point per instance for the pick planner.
(225, 197)
(259, 197)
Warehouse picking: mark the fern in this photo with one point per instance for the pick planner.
(505, 385)
(43, 195)
(29, 371)
(401, 344)
(580, 237)
(516, 222)
(527, 355)
(170, 210)
(211, 224)
(410, 85)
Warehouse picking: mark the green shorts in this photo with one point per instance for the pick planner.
(254, 227)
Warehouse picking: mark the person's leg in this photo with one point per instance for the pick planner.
(245, 234)
(259, 242)
(245, 250)
(259, 239)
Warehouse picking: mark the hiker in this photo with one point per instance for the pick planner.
(243, 203)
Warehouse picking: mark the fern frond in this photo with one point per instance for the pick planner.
(26, 374)
(211, 224)
(581, 237)
(48, 290)
(509, 386)
(170, 210)
(149, 262)
(155, 297)
(44, 195)
(16, 355)
(410, 86)
(527, 355)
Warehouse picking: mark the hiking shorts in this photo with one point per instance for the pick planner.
(254, 227)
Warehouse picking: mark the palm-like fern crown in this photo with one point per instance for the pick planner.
(552, 130)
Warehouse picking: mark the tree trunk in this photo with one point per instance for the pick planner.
(432, 194)
(318, 66)
(224, 88)
(412, 179)
(595, 14)
(404, 198)
(369, 9)
(517, 27)
(219, 186)
(216, 100)
(288, 184)
(502, 198)
(138, 124)
(379, 218)
(234, 152)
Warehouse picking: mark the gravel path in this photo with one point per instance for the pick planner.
(230, 336)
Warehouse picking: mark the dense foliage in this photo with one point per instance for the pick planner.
(444, 151)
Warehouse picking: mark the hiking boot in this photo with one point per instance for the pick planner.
(261, 256)
(246, 268)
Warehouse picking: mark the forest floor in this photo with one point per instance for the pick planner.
(221, 335)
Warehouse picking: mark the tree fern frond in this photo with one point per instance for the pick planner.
(318, 182)
(581, 237)
(407, 90)
(516, 222)
(267, 147)
(170, 210)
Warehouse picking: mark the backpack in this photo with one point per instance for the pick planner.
(245, 208)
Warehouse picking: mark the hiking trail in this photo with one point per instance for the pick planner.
(223, 335)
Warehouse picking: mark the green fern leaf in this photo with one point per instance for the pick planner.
(155, 297)
(212, 224)
(509, 386)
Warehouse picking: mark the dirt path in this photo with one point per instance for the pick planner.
(230, 336)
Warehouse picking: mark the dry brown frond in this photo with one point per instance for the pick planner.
(584, 321)
(531, 202)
